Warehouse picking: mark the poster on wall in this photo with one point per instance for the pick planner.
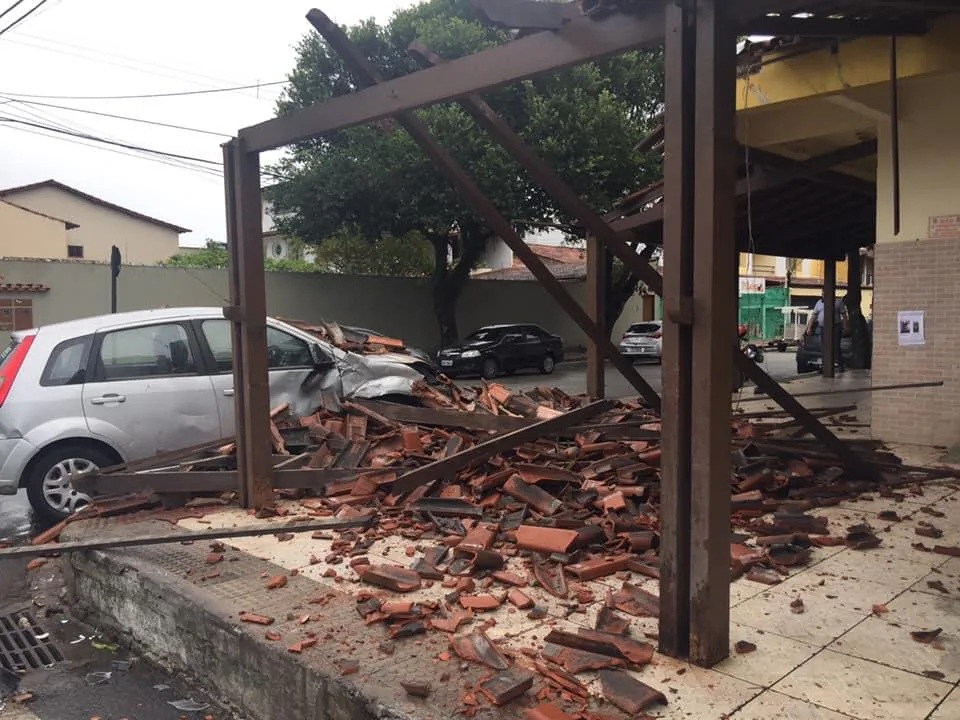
(910, 330)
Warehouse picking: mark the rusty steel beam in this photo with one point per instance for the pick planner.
(528, 14)
(248, 314)
(677, 292)
(475, 199)
(833, 27)
(598, 281)
(579, 41)
(714, 318)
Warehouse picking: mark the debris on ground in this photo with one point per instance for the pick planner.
(926, 636)
(496, 492)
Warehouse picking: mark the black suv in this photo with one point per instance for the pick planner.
(494, 349)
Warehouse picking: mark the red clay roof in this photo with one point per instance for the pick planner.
(555, 253)
(561, 271)
(93, 199)
(23, 288)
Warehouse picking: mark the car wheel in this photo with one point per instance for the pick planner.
(547, 365)
(802, 368)
(490, 369)
(49, 490)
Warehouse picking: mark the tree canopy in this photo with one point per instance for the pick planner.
(375, 180)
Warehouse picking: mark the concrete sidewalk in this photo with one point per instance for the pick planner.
(848, 655)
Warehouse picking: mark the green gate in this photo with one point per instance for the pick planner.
(762, 313)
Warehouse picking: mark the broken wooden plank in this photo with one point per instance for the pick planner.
(210, 480)
(407, 414)
(494, 446)
(182, 537)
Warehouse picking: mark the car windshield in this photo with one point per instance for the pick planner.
(643, 329)
(485, 335)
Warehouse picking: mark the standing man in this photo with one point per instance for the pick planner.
(815, 326)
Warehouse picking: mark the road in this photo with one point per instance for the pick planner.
(15, 516)
(571, 377)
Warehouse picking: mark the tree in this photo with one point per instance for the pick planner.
(377, 182)
(214, 256)
(350, 253)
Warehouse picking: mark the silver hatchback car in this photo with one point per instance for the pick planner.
(90, 393)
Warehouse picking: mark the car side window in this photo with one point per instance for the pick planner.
(149, 351)
(286, 351)
(66, 365)
(283, 349)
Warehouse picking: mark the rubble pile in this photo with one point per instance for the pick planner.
(494, 505)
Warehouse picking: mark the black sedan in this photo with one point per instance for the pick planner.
(497, 349)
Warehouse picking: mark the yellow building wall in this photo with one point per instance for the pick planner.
(140, 242)
(26, 234)
(855, 64)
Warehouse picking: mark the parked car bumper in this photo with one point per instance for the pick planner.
(14, 455)
(461, 366)
(640, 352)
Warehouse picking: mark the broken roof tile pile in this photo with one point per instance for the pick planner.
(509, 525)
(347, 338)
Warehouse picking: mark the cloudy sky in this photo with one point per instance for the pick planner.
(69, 54)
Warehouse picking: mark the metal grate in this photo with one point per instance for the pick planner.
(24, 645)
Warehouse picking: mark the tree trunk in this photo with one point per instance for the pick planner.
(448, 282)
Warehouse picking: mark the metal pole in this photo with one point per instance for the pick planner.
(677, 332)
(829, 310)
(714, 303)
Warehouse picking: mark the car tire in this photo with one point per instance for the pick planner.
(547, 365)
(50, 493)
(802, 367)
(490, 368)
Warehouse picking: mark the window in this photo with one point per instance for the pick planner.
(66, 363)
(151, 351)
(75, 251)
(283, 349)
(16, 314)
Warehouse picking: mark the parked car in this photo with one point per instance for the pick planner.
(85, 394)
(810, 351)
(643, 341)
(496, 349)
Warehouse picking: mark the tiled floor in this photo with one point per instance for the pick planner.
(838, 659)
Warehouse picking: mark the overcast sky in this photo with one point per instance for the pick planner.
(75, 48)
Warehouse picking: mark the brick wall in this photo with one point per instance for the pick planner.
(917, 275)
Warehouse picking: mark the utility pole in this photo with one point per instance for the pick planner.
(115, 260)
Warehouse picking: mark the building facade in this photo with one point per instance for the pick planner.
(97, 226)
(823, 99)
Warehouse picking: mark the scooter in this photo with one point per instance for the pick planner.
(749, 349)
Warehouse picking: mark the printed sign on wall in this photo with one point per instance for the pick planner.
(910, 330)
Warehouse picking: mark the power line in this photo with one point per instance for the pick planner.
(128, 146)
(117, 143)
(120, 117)
(179, 165)
(12, 8)
(23, 17)
(127, 63)
(139, 97)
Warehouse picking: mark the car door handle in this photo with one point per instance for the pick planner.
(228, 392)
(108, 398)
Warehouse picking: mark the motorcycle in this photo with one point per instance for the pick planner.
(747, 348)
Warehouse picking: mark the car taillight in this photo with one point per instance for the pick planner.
(658, 334)
(10, 368)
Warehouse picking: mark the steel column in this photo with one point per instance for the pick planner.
(598, 282)
(829, 315)
(677, 291)
(248, 313)
(714, 316)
